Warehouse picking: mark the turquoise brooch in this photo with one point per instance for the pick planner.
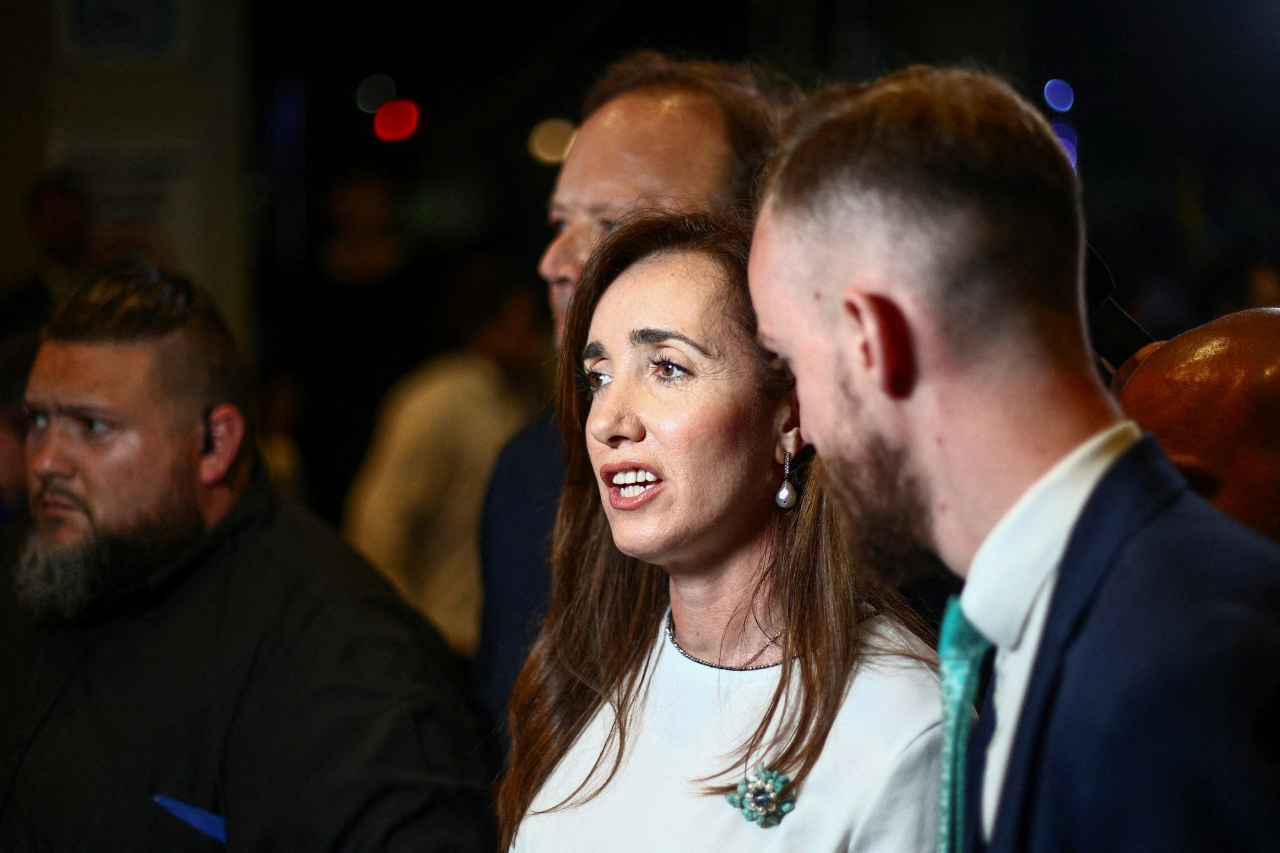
(763, 797)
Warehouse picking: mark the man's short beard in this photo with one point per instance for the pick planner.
(68, 582)
(886, 517)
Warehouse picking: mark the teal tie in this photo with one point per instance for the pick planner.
(960, 651)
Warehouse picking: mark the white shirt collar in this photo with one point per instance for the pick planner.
(1021, 553)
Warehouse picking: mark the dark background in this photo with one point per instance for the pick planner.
(1176, 113)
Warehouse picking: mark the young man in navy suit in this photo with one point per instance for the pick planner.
(918, 264)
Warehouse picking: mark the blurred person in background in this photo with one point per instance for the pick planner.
(59, 216)
(414, 508)
(16, 356)
(359, 319)
(281, 405)
(1211, 397)
(184, 655)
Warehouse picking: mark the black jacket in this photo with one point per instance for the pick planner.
(269, 676)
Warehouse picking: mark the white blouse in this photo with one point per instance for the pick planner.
(874, 788)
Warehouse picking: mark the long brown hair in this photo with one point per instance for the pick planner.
(606, 607)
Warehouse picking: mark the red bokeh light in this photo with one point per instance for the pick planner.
(395, 120)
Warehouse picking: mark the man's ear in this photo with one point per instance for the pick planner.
(883, 344)
(788, 424)
(224, 431)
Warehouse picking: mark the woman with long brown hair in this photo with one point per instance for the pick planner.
(714, 672)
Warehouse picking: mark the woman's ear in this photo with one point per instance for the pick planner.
(788, 425)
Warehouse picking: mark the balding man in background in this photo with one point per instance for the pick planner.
(657, 134)
(1211, 397)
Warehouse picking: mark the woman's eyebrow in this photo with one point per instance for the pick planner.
(641, 337)
(594, 349)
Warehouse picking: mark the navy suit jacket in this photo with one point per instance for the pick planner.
(515, 544)
(1152, 717)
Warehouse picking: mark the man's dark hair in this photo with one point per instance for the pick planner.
(949, 145)
(201, 366)
(752, 101)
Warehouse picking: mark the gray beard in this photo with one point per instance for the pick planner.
(884, 513)
(65, 584)
(59, 582)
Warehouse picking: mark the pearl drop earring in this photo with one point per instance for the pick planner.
(786, 497)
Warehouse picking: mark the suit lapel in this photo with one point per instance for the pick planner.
(1139, 484)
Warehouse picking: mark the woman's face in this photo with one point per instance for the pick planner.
(683, 448)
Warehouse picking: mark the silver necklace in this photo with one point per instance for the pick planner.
(671, 635)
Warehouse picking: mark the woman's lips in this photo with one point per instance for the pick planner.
(617, 501)
(631, 484)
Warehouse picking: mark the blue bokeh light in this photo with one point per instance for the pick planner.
(1059, 95)
(1070, 147)
(1062, 130)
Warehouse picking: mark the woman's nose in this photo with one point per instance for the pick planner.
(614, 418)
